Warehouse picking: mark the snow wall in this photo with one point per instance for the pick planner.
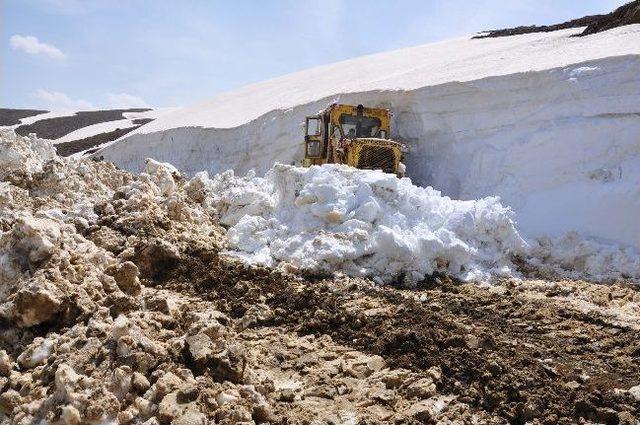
(560, 146)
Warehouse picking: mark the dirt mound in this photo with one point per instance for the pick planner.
(519, 351)
(54, 128)
(13, 116)
(624, 15)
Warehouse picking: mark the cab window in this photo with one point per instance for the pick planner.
(313, 126)
(354, 126)
(313, 148)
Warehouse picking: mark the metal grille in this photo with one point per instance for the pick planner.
(376, 158)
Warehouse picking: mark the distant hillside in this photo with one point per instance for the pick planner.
(624, 15)
(54, 128)
(74, 132)
(13, 116)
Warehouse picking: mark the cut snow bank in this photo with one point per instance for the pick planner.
(371, 224)
(546, 121)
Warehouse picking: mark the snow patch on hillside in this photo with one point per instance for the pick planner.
(95, 129)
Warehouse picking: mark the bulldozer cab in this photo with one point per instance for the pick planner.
(352, 135)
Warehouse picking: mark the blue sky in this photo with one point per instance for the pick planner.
(81, 54)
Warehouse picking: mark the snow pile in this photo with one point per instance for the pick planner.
(370, 224)
(574, 257)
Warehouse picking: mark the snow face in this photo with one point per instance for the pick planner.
(558, 146)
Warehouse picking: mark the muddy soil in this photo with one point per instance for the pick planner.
(516, 352)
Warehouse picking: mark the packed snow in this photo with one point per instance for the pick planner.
(546, 121)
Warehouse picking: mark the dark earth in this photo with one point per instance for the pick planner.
(513, 356)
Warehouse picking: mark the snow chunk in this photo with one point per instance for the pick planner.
(23, 155)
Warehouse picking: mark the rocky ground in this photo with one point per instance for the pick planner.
(118, 305)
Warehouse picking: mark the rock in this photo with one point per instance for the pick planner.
(635, 392)
(139, 382)
(128, 416)
(225, 362)
(187, 393)
(36, 306)
(379, 413)
(422, 388)
(190, 418)
(169, 409)
(37, 353)
(286, 395)
(9, 400)
(126, 276)
(421, 411)
(166, 384)
(365, 366)
(626, 418)
(70, 415)
(200, 347)
(394, 378)
(255, 315)
(226, 397)
(229, 365)
(156, 257)
(263, 413)
(5, 363)
(435, 372)
(376, 363)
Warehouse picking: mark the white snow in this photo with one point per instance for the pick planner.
(363, 223)
(94, 129)
(45, 116)
(153, 113)
(546, 121)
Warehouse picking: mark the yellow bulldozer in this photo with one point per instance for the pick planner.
(353, 135)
